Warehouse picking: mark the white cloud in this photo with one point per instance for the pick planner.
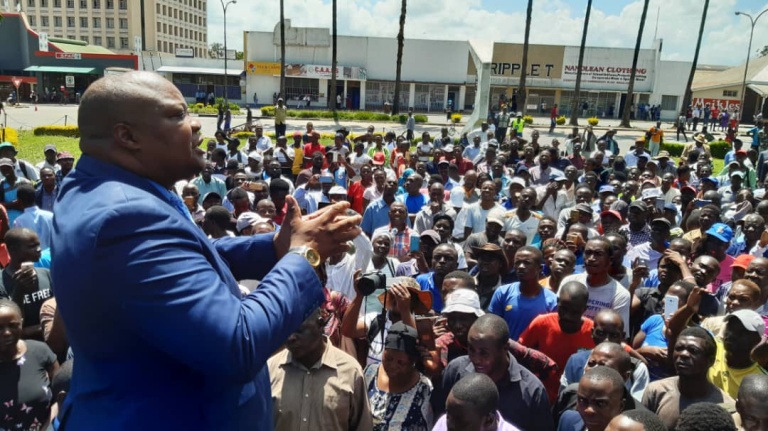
(554, 22)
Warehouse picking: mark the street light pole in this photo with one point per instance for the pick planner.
(746, 66)
(225, 6)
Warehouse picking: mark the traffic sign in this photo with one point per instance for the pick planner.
(16, 82)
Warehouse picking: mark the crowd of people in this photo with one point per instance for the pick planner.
(498, 282)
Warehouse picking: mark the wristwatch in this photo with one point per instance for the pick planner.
(309, 253)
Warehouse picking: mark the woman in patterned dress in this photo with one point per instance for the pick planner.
(399, 394)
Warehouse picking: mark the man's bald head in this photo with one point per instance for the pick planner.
(115, 99)
(139, 122)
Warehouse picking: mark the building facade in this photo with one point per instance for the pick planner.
(439, 75)
(162, 25)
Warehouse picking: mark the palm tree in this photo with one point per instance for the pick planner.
(521, 91)
(631, 88)
(332, 95)
(282, 50)
(400, 42)
(687, 96)
(577, 90)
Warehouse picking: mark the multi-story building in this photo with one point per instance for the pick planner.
(164, 25)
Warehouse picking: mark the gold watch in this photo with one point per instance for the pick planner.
(308, 253)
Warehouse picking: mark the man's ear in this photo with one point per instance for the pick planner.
(125, 137)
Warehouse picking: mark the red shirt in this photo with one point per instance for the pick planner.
(553, 113)
(544, 334)
(464, 165)
(355, 194)
(310, 149)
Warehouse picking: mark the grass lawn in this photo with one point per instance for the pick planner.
(31, 147)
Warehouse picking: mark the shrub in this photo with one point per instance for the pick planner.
(9, 134)
(560, 120)
(528, 119)
(66, 131)
(401, 118)
(209, 110)
(363, 116)
(381, 117)
(719, 149)
(420, 118)
(593, 121)
(198, 106)
(268, 111)
(674, 149)
(243, 135)
(455, 118)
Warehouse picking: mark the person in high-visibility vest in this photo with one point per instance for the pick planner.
(518, 124)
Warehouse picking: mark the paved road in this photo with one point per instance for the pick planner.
(27, 118)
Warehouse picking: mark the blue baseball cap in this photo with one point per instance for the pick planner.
(711, 180)
(721, 231)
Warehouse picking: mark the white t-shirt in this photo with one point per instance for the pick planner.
(425, 147)
(611, 295)
(263, 143)
(372, 193)
(529, 226)
(281, 157)
(357, 162)
(477, 216)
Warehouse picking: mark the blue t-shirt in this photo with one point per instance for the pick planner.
(654, 331)
(518, 310)
(413, 203)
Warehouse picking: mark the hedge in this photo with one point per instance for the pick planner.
(592, 121)
(455, 118)
(66, 131)
(11, 135)
(199, 108)
(718, 148)
(269, 111)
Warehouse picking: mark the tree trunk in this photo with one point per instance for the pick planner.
(400, 43)
(332, 93)
(282, 52)
(521, 92)
(631, 88)
(687, 97)
(575, 101)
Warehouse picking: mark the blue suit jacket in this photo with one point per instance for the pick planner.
(570, 421)
(162, 338)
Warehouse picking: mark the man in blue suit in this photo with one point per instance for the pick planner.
(163, 337)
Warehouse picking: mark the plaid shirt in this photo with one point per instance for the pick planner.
(639, 237)
(401, 242)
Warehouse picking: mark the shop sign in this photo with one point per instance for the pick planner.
(68, 56)
(727, 104)
(262, 68)
(513, 69)
(185, 52)
(325, 72)
(609, 68)
(69, 80)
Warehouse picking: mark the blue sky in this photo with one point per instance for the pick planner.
(613, 23)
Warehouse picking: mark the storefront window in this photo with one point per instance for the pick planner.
(379, 92)
(668, 103)
(297, 88)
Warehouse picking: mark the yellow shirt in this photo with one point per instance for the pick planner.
(729, 379)
(298, 159)
(280, 114)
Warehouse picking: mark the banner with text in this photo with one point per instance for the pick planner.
(324, 72)
(729, 104)
(262, 68)
(609, 68)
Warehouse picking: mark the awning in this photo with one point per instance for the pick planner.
(60, 69)
(762, 90)
(235, 71)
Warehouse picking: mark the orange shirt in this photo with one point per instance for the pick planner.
(544, 334)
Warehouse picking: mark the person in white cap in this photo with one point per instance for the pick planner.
(462, 308)
(744, 329)
(50, 161)
(246, 221)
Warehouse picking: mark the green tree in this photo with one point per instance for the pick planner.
(521, 92)
(763, 52)
(687, 96)
(631, 87)
(282, 50)
(213, 51)
(400, 43)
(577, 89)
